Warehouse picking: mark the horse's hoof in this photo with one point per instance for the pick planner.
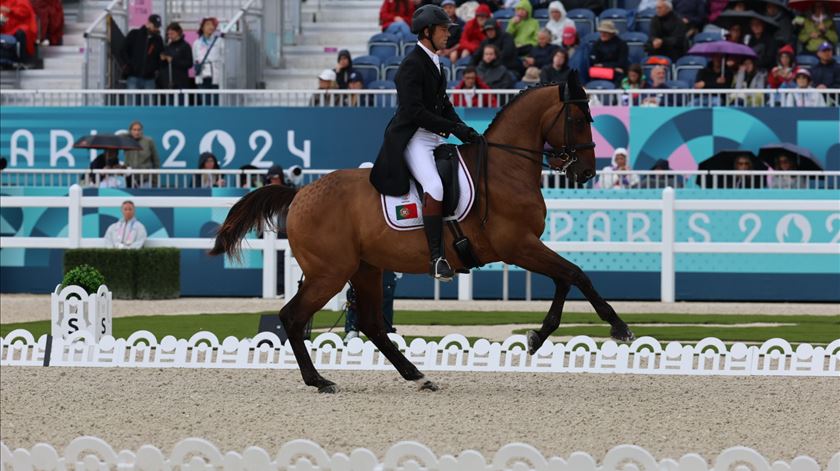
(622, 333)
(427, 385)
(534, 341)
(328, 389)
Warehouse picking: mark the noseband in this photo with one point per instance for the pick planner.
(558, 158)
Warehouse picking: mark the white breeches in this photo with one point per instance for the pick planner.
(419, 155)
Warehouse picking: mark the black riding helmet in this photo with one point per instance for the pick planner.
(427, 16)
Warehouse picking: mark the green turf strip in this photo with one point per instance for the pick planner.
(811, 329)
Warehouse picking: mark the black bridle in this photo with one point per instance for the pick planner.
(556, 158)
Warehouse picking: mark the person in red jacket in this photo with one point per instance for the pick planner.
(395, 17)
(472, 82)
(18, 19)
(474, 31)
(782, 75)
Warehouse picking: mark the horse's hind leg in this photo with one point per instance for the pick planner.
(313, 294)
(367, 282)
(534, 256)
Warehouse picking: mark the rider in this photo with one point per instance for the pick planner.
(423, 120)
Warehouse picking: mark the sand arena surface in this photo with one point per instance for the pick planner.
(558, 413)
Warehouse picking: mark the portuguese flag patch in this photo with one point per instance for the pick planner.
(406, 211)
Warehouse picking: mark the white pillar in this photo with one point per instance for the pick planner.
(668, 276)
(465, 292)
(269, 263)
(74, 216)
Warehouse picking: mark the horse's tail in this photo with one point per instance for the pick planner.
(265, 204)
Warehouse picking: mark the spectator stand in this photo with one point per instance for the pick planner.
(686, 68)
(384, 46)
(619, 16)
(369, 67)
(584, 21)
(635, 44)
(390, 67)
(642, 19)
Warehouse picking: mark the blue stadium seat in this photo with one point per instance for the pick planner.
(584, 21)
(458, 68)
(619, 16)
(600, 85)
(504, 14)
(542, 22)
(369, 66)
(408, 47)
(521, 85)
(706, 37)
(678, 84)
(629, 4)
(686, 67)
(541, 14)
(452, 84)
(382, 85)
(384, 45)
(503, 24)
(390, 67)
(590, 38)
(641, 22)
(807, 60)
(635, 44)
(646, 68)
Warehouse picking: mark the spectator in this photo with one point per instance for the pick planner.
(472, 82)
(326, 82)
(504, 43)
(275, 176)
(749, 76)
(343, 69)
(558, 22)
(782, 74)
(456, 29)
(17, 19)
(826, 74)
(531, 77)
(207, 54)
(494, 74)
(710, 77)
(657, 81)
(763, 44)
(692, 13)
(128, 232)
(177, 58)
(389, 286)
(395, 17)
(597, 6)
(50, 15)
(784, 163)
(667, 32)
(716, 7)
(635, 79)
(248, 180)
(742, 163)
(609, 51)
(474, 32)
(144, 158)
(735, 34)
(208, 161)
(558, 70)
(541, 54)
(658, 78)
(661, 180)
(609, 180)
(784, 32)
(112, 180)
(141, 55)
(523, 28)
(804, 99)
(357, 82)
(817, 29)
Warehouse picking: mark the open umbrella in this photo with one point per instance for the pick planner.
(107, 141)
(806, 5)
(722, 48)
(743, 18)
(725, 160)
(759, 5)
(803, 157)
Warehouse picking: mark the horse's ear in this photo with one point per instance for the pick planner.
(575, 89)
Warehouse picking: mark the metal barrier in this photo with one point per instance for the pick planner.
(368, 98)
(98, 70)
(233, 178)
(667, 247)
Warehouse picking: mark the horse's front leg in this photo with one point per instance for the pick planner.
(534, 256)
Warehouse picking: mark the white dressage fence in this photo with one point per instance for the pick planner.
(667, 247)
(305, 455)
(580, 354)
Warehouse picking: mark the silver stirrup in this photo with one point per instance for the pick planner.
(437, 275)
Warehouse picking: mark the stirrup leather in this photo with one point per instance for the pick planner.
(443, 273)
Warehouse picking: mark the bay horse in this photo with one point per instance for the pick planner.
(337, 232)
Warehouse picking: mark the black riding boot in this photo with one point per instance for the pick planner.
(433, 226)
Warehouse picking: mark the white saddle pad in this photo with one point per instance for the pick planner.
(405, 213)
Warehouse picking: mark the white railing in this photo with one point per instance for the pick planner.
(667, 247)
(581, 354)
(168, 178)
(88, 452)
(383, 98)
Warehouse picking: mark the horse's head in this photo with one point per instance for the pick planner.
(569, 132)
